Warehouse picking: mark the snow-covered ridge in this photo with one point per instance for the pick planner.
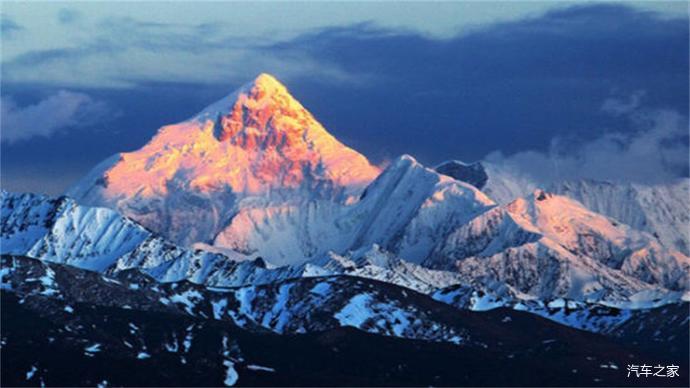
(407, 210)
(549, 246)
(661, 209)
(61, 231)
(287, 307)
(484, 252)
(592, 317)
(99, 239)
(324, 303)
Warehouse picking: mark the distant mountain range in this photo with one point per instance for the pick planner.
(662, 210)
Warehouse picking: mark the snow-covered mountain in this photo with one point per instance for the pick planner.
(101, 240)
(662, 209)
(251, 213)
(549, 246)
(546, 247)
(59, 230)
(254, 191)
(256, 174)
(409, 209)
(193, 177)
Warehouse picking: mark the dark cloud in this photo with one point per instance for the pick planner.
(511, 86)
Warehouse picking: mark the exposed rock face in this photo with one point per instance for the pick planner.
(473, 173)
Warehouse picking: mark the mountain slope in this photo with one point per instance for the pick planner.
(537, 247)
(549, 246)
(57, 229)
(406, 210)
(409, 209)
(284, 307)
(74, 337)
(662, 209)
(61, 231)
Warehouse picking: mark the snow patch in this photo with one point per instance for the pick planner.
(31, 372)
(260, 368)
(231, 375)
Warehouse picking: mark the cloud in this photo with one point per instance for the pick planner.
(59, 112)
(621, 106)
(9, 27)
(655, 151)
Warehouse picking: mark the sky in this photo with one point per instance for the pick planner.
(559, 90)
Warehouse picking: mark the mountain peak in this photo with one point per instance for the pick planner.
(265, 86)
(258, 141)
(265, 89)
(267, 82)
(405, 160)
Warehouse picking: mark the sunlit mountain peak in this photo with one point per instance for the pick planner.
(257, 141)
(265, 92)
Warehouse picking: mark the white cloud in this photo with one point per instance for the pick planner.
(58, 112)
(654, 150)
(622, 106)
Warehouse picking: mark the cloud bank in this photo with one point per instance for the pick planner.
(58, 112)
(655, 151)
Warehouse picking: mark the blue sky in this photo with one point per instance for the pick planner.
(598, 89)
